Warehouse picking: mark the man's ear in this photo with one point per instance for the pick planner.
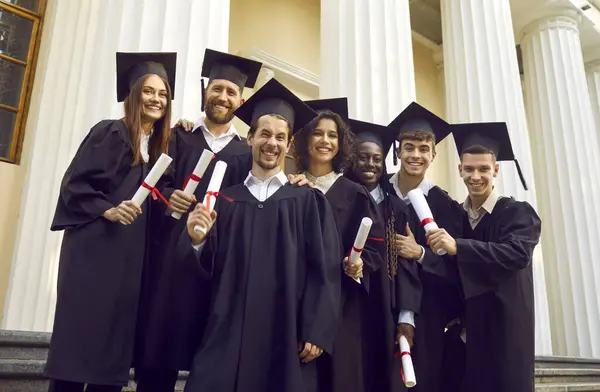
(242, 101)
(249, 138)
(496, 169)
(287, 150)
(460, 169)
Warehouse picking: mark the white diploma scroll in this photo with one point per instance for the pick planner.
(198, 172)
(417, 199)
(408, 371)
(152, 178)
(360, 240)
(213, 187)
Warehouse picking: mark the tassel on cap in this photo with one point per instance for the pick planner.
(521, 175)
(203, 91)
(395, 148)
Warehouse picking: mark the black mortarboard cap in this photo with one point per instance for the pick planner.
(336, 105)
(493, 136)
(416, 118)
(239, 70)
(132, 66)
(274, 98)
(368, 132)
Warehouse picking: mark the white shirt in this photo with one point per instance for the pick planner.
(405, 316)
(323, 183)
(424, 186)
(144, 140)
(487, 207)
(260, 189)
(216, 143)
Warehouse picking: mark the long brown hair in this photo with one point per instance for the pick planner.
(342, 159)
(159, 141)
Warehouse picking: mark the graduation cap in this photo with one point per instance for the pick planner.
(336, 105)
(368, 132)
(416, 118)
(239, 70)
(492, 136)
(132, 66)
(274, 98)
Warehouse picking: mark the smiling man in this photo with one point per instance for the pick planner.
(494, 260)
(418, 131)
(171, 331)
(272, 260)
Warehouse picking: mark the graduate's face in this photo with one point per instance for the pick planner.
(368, 165)
(478, 172)
(223, 97)
(154, 99)
(323, 141)
(269, 142)
(416, 156)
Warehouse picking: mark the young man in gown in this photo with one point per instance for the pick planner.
(272, 261)
(494, 261)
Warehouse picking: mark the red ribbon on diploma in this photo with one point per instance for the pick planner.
(190, 177)
(400, 355)
(155, 193)
(427, 221)
(210, 194)
(360, 250)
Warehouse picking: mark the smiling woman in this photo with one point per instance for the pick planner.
(103, 257)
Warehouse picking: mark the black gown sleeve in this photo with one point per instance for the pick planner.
(408, 288)
(375, 246)
(321, 301)
(483, 265)
(102, 156)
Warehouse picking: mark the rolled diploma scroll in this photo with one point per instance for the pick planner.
(410, 380)
(360, 240)
(213, 186)
(423, 211)
(199, 170)
(152, 178)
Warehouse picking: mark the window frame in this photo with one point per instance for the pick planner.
(18, 131)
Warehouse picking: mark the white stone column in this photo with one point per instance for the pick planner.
(565, 155)
(483, 84)
(77, 89)
(593, 79)
(367, 56)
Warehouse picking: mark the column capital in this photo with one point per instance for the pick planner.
(559, 18)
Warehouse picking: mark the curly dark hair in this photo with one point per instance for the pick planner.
(342, 160)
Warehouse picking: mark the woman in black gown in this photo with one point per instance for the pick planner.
(395, 290)
(103, 254)
(323, 150)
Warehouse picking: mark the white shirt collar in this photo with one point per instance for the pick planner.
(279, 177)
(377, 194)
(201, 123)
(487, 206)
(325, 182)
(424, 186)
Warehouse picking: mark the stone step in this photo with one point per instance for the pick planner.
(566, 362)
(564, 375)
(27, 375)
(24, 345)
(575, 387)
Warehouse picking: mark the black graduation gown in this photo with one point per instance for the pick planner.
(179, 308)
(386, 298)
(101, 262)
(441, 299)
(274, 270)
(496, 272)
(346, 369)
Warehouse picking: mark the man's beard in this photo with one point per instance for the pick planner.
(267, 165)
(218, 118)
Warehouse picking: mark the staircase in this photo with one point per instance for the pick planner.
(23, 354)
(22, 359)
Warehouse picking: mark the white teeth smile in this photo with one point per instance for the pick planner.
(415, 164)
(323, 149)
(270, 154)
(157, 108)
